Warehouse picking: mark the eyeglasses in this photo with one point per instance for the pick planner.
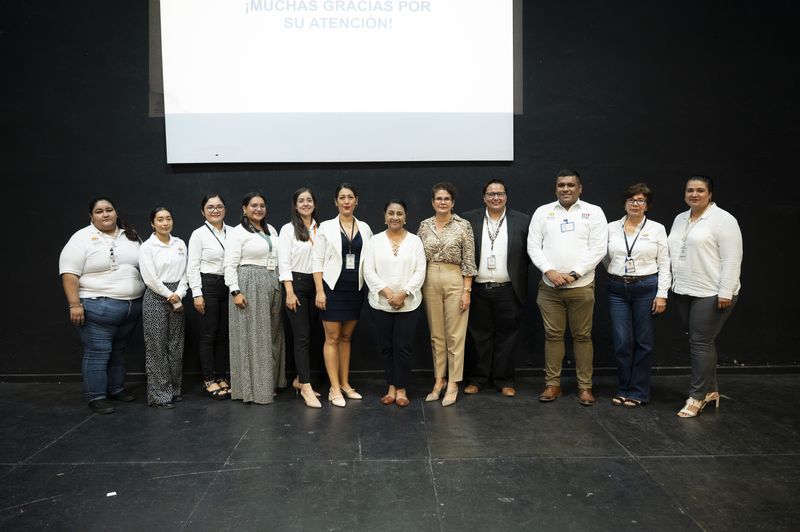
(495, 194)
(212, 208)
(632, 201)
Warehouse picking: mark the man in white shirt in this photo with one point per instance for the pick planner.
(498, 290)
(566, 241)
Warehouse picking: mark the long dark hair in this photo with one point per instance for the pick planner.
(245, 202)
(300, 229)
(130, 232)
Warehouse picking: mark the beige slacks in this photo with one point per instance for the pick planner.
(441, 293)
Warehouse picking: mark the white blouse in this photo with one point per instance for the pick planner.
(295, 255)
(206, 254)
(164, 263)
(650, 252)
(406, 271)
(244, 247)
(706, 255)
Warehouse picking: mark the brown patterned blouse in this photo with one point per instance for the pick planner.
(454, 245)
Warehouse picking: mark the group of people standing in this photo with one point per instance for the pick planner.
(468, 273)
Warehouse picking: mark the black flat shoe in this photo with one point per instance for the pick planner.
(101, 406)
(124, 396)
(165, 406)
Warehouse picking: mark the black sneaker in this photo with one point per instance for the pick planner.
(101, 406)
(124, 396)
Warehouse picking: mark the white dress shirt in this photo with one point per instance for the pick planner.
(164, 263)
(500, 251)
(406, 271)
(650, 252)
(244, 247)
(88, 255)
(706, 255)
(568, 240)
(327, 255)
(206, 254)
(295, 255)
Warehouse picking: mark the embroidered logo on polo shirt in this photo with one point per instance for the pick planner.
(585, 215)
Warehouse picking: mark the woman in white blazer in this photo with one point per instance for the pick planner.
(338, 278)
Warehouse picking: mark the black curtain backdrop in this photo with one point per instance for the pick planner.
(622, 91)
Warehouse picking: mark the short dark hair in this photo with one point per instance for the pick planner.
(636, 189)
(208, 197)
(495, 181)
(398, 202)
(566, 172)
(155, 211)
(705, 179)
(450, 188)
(348, 186)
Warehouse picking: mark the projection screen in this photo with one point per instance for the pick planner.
(337, 80)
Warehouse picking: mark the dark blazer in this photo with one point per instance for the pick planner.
(517, 224)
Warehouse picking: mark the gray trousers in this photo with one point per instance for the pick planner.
(702, 321)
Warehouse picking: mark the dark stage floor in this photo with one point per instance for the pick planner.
(487, 463)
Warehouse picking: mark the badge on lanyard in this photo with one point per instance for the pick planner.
(567, 226)
(272, 262)
(630, 267)
(350, 261)
(491, 262)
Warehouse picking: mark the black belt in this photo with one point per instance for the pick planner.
(489, 286)
(212, 275)
(629, 279)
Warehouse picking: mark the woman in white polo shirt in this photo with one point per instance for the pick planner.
(705, 249)
(394, 270)
(210, 295)
(162, 261)
(258, 361)
(99, 270)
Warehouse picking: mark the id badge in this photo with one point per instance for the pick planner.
(272, 262)
(682, 255)
(350, 261)
(567, 227)
(491, 262)
(630, 267)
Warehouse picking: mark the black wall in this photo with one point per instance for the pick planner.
(622, 91)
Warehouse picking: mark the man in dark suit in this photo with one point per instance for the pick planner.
(499, 289)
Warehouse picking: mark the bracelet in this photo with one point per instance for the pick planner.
(77, 305)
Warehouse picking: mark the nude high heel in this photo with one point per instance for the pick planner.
(299, 387)
(691, 408)
(336, 400)
(436, 393)
(450, 396)
(711, 397)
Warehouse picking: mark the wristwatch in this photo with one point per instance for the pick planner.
(235, 293)
(574, 274)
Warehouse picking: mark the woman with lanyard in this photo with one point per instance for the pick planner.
(296, 245)
(705, 245)
(256, 331)
(162, 262)
(338, 278)
(450, 252)
(637, 285)
(99, 270)
(394, 269)
(210, 295)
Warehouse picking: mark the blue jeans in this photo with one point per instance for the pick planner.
(630, 307)
(107, 328)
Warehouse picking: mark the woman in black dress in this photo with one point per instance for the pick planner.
(338, 279)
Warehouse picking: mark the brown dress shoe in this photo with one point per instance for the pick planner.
(585, 397)
(550, 393)
(471, 389)
(508, 391)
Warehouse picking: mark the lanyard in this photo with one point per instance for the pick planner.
(349, 240)
(215, 235)
(314, 226)
(625, 234)
(489, 224)
(266, 237)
